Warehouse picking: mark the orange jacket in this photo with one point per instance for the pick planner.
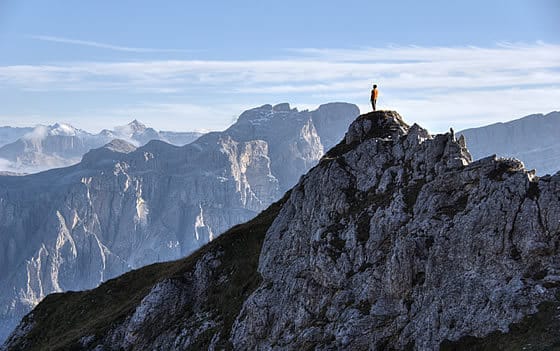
(374, 94)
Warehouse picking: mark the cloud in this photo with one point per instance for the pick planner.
(313, 69)
(99, 45)
(38, 133)
(439, 86)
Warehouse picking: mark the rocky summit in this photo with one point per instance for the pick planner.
(396, 240)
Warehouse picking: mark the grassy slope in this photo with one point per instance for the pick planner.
(61, 319)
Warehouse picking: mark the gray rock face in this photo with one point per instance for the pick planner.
(61, 145)
(403, 243)
(294, 156)
(532, 139)
(395, 240)
(124, 207)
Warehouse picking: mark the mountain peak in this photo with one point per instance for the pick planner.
(63, 129)
(387, 125)
(40, 132)
(119, 145)
(137, 126)
(283, 107)
(266, 113)
(107, 153)
(376, 124)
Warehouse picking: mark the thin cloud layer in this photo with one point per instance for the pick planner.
(99, 45)
(444, 80)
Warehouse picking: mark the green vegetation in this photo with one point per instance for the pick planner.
(61, 319)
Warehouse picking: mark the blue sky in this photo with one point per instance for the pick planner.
(184, 65)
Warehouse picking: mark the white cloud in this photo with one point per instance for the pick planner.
(458, 86)
(409, 67)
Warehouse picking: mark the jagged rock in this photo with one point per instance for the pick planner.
(124, 207)
(395, 240)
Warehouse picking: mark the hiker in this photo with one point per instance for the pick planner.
(374, 94)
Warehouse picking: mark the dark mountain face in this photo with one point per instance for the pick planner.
(123, 207)
(396, 240)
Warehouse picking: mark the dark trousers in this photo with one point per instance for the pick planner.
(373, 104)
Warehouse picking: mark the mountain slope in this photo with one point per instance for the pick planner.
(395, 240)
(123, 207)
(532, 139)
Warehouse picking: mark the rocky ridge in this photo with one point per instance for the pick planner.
(395, 240)
(124, 207)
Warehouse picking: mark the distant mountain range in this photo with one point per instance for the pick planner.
(124, 207)
(31, 150)
(534, 139)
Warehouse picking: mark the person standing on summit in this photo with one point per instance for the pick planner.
(374, 94)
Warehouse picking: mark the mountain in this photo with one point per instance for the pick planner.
(123, 207)
(60, 145)
(10, 134)
(139, 134)
(46, 147)
(532, 139)
(396, 240)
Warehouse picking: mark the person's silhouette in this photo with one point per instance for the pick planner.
(374, 94)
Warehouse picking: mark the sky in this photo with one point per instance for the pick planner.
(186, 65)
